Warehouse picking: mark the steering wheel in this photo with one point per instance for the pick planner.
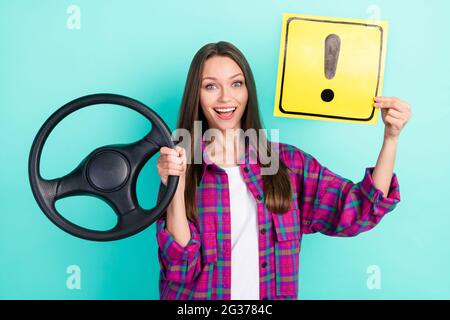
(109, 172)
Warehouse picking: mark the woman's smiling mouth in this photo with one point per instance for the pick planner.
(225, 113)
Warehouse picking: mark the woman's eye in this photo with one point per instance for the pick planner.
(235, 84)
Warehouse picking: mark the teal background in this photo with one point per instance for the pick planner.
(143, 49)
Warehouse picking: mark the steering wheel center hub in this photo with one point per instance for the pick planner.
(108, 171)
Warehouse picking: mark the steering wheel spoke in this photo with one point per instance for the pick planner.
(73, 184)
(139, 152)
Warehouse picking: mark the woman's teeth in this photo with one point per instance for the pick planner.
(225, 113)
(224, 110)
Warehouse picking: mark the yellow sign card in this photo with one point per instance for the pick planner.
(330, 68)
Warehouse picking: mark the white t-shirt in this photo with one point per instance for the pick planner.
(244, 238)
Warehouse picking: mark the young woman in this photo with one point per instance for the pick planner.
(232, 232)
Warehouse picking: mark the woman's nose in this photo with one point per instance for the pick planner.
(225, 94)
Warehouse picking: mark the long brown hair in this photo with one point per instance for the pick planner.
(277, 187)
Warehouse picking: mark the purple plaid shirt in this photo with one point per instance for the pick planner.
(322, 201)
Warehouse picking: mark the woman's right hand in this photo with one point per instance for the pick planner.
(172, 162)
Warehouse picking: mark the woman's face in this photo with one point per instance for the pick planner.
(223, 94)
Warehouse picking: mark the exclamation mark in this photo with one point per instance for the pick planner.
(332, 47)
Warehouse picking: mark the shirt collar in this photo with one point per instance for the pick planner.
(248, 160)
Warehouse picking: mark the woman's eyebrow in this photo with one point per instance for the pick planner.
(237, 74)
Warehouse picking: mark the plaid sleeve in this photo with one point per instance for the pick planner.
(178, 264)
(336, 206)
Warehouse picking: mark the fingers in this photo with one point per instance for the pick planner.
(394, 113)
(182, 154)
(172, 161)
(392, 102)
(168, 151)
(169, 162)
(180, 150)
(170, 158)
(170, 165)
(394, 122)
(394, 107)
(177, 152)
(169, 169)
(388, 104)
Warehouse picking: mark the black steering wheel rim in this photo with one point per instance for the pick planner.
(89, 178)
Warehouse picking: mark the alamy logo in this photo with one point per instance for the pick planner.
(73, 281)
(374, 279)
(74, 19)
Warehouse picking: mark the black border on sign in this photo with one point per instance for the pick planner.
(284, 67)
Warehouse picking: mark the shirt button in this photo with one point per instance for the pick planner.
(259, 197)
(264, 264)
(246, 169)
(263, 230)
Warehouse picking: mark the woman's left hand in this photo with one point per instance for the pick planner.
(395, 114)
